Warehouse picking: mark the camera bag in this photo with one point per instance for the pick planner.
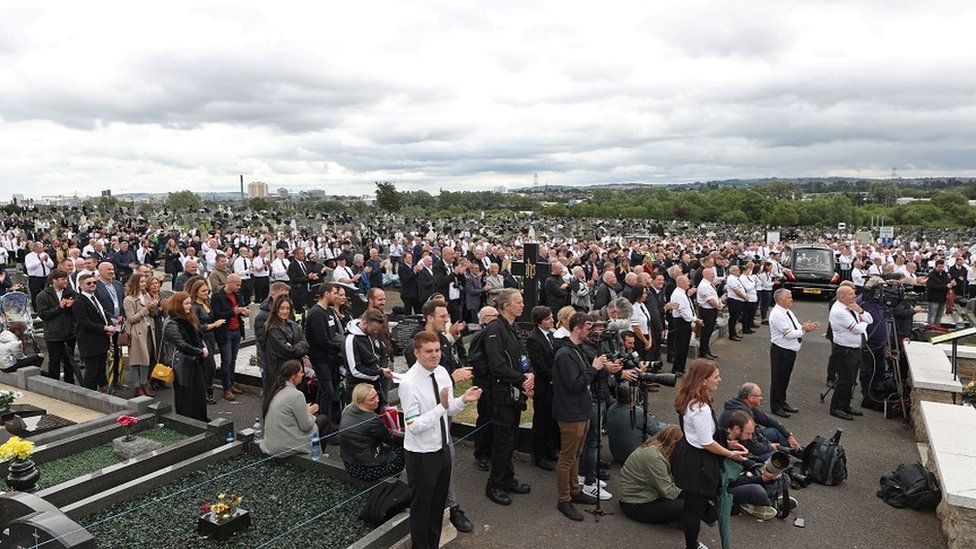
(385, 502)
(910, 486)
(824, 460)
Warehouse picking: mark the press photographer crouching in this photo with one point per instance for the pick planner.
(647, 490)
(770, 434)
(626, 425)
(369, 450)
(759, 488)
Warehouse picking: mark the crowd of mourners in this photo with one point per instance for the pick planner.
(127, 296)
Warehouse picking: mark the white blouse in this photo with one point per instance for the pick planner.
(699, 425)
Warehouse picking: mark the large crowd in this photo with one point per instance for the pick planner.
(618, 302)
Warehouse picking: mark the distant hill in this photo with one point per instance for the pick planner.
(807, 183)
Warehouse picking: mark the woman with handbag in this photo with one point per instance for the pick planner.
(283, 338)
(140, 309)
(185, 345)
(200, 292)
(697, 459)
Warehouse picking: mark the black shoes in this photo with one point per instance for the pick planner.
(498, 496)
(781, 412)
(735, 338)
(710, 356)
(841, 414)
(544, 464)
(482, 464)
(790, 409)
(584, 499)
(460, 521)
(748, 331)
(854, 412)
(211, 401)
(567, 509)
(518, 488)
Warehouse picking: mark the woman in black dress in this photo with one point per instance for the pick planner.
(186, 351)
(697, 459)
(200, 295)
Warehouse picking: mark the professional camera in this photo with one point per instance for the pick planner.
(888, 294)
(668, 380)
(629, 359)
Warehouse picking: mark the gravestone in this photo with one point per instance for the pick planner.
(533, 273)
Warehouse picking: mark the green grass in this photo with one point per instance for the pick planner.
(278, 497)
(90, 460)
(470, 412)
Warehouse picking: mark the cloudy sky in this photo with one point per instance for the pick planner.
(152, 97)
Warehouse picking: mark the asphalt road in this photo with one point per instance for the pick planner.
(845, 516)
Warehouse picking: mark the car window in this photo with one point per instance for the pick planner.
(811, 259)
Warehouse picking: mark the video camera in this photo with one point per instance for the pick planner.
(889, 294)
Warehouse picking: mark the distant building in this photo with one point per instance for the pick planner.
(107, 192)
(501, 189)
(282, 192)
(257, 189)
(316, 193)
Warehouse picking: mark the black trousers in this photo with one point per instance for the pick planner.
(247, 290)
(781, 361)
(61, 352)
(411, 307)
(323, 373)
(28, 360)
(504, 425)
(191, 400)
(709, 317)
(261, 288)
(692, 513)
(34, 285)
(847, 360)
(428, 475)
(654, 354)
(749, 315)
(765, 302)
(545, 430)
(658, 511)
(682, 338)
(483, 438)
(735, 314)
(95, 371)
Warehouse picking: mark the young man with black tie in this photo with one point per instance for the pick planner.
(95, 332)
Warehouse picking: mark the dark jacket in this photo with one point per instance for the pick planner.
(364, 355)
(603, 296)
(299, 281)
(443, 275)
(91, 336)
(179, 335)
(571, 377)
(758, 445)
(507, 361)
(103, 296)
(425, 285)
(283, 342)
(363, 442)
(59, 324)
(903, 313)
(122, 261)
(556, 296)
(655, 306)
(937, 286)
(264, 309)
(222, 308)
(408, 283)
(541, 352)
(325, 335)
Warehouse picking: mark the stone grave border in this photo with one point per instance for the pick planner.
(30, 379)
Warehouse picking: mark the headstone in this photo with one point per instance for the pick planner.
(533, 273)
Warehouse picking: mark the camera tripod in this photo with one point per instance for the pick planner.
(598, 510)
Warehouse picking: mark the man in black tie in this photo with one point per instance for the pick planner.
(541, 349)
(95, 332)
(301, 280)
(655, 306)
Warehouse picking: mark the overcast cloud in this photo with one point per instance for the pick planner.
(141, 97)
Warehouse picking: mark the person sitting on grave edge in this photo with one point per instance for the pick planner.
(369, 450)
(758, 489)
(770, 434)
(288, 421)
(12, 345)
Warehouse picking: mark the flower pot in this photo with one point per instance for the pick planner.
(209, 526)
(22, 475)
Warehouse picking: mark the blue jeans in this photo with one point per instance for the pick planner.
(774, 436)
(228, 359)
(758, 494)
(588, 462)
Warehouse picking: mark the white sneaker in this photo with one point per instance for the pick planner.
(761, 512)
(582, 481)
(590, 490)
(702, 545)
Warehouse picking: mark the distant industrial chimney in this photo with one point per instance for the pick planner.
(242, 187)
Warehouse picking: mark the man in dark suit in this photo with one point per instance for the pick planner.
(95, 332)
(442, 267)
(557, 290)
(655, 306)
(425, 280)
(301, 279)
(540, 347)
(54, 305)
(606, 291)
(227, 304)
(408, 285)
(110, 294)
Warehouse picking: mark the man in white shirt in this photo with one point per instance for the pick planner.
(682, 317)
(279, 267)
(786, 335)
(425, 396)
(260, 273)
(242, 268)
(848, 326)
(737, 296)
(708, 308)
(38, 266)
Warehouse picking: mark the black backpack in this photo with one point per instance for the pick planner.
(384, 502)
(824, 460)
(910, 486)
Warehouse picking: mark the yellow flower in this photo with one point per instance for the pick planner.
(16, 447)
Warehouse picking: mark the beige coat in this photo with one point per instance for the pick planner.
(139, 326)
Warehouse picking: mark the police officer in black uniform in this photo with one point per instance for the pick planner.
(512, 381)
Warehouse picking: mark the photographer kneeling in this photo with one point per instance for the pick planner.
(625, 424)
(759, 485)
(647, 490)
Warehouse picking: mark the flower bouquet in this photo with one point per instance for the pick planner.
(969, 393)
(22, 474)
(127, 423)
(8, 397)
(223, 518)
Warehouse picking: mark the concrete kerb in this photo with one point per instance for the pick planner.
(67, 392)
